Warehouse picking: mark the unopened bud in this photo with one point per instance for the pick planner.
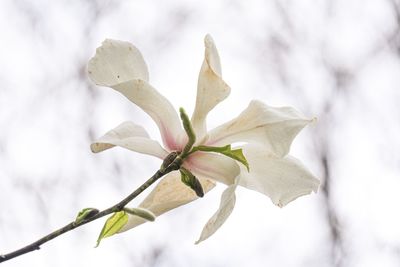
(142, 213)
(190, 180)
(187, 125)
(85, 214)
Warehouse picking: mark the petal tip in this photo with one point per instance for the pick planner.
(283, 201)
(211, 55)
(208, 40)
(116, 62)
(107, 41)
(317, 183)
(313, 121)
(93, 148)
(96, 148)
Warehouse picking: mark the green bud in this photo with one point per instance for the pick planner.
(142, 213)
(85, 214)
(190, 180)
(187, 125)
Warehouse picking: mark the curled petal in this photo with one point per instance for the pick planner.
(116, 62)
(216, 167)
(273, 127)
(282, 179)
(211, 89)
(225, 209)
(130, 136)
(169, 194)
(120, 66)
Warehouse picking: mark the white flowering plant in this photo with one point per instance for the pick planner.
(251, 150)
(209, 156)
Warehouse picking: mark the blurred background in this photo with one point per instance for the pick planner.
(336, 60)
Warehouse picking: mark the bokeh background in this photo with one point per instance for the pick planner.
(336, 60)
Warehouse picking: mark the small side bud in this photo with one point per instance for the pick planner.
(187, 125)
(190, 180)
(85, 214)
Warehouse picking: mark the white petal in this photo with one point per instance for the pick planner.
(116, 62)
(214, 166)
(157, 106)
(225, 209)
(169, 194)
(211, 89)
(282, 179)
(132, 137)
(273, 127)
(121, 66)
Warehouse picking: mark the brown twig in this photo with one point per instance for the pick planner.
(167, 167)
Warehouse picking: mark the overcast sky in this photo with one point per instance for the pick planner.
(336, 60)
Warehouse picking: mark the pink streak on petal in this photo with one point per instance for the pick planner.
(170, 141)
(204, 170)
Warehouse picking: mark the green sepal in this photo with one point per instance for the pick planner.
(142, 213)
(113, 225)
(236, 154)
(190, 180)
(84, 214)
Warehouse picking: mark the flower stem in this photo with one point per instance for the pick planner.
(172, 166)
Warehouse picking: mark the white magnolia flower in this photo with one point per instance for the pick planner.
(267, 131)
